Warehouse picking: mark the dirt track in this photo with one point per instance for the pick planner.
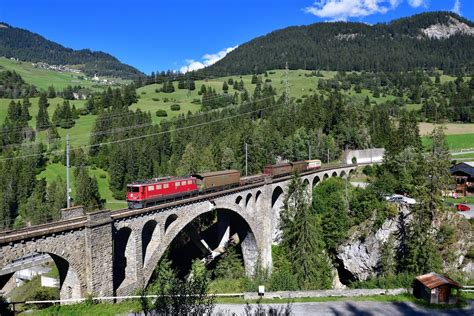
(451, 128)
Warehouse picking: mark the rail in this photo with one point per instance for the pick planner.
(62, 226)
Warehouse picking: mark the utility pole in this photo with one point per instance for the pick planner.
(246, 160)
(287, 90)
(67, 172)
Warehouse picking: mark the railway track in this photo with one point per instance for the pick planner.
(63, 226)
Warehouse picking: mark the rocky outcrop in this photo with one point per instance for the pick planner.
(359, 256)
(443, 31)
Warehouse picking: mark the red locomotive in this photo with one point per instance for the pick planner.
(143, 193)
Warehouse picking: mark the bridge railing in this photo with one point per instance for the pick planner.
(80, 222)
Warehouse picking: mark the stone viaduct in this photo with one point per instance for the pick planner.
(110, 253)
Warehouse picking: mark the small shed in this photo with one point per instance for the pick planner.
(435, 288)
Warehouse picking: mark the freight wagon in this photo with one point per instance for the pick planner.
(217, 180)
(278, 170)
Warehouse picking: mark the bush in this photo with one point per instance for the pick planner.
(44, 294)
(368, 171)
(175, 107)
(4, 308)
(83, 111)
(470, 253)
(156, 99)
(161, 113)
(401, 280)
(102, 176)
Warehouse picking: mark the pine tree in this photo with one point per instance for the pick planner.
(230, 265)
(51, 92)
(388, 259)
(225, 87)
(87, 190)
(25, 112)
(57, 199)
(228, 159)
(302, 237)
(189, 163)
(37, 211)
(42, 119)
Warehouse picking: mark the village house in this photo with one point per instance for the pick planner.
(463, 173)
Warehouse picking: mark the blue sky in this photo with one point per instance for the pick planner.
(170, 34)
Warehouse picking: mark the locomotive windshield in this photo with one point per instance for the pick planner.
(133, 189)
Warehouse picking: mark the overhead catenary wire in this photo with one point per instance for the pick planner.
(147, 135)
(30, 144)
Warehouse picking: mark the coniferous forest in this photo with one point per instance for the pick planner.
(399, 45)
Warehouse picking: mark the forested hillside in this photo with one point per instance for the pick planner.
(28, 46)
(440, 40)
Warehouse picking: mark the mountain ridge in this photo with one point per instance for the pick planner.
(29, 46)
(398, 45)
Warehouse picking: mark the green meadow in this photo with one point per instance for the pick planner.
(301, 84)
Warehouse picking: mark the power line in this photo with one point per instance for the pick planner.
(110, 131)
(147, 135)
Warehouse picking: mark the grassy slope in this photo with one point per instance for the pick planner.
(43, 78)
(455, 142)
(300, 85)
(55, 170)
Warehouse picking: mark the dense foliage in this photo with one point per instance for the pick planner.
(28, 46)
(395, 46)
(12, 86)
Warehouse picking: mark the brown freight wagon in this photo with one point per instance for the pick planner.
(300, 166)
(278, 170)
(217, 180)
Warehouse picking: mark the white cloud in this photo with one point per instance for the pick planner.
(457, 7)
(342, 9)
(417, 3)
(208, 59)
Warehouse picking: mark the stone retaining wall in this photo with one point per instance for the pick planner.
(326, 293)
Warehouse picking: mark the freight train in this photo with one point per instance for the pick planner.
(154, 191)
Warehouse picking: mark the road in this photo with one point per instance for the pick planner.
(351, 308)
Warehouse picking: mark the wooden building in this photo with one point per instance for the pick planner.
(435, 289)
(463, 173)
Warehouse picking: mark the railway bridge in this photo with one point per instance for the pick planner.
(109, 253)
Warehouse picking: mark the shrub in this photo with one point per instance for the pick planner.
(4, 308)
(83, 111)
(175, 107)
(161, 113)
(470, 253)
(368, 171)
(156, 99)
(44, 294)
